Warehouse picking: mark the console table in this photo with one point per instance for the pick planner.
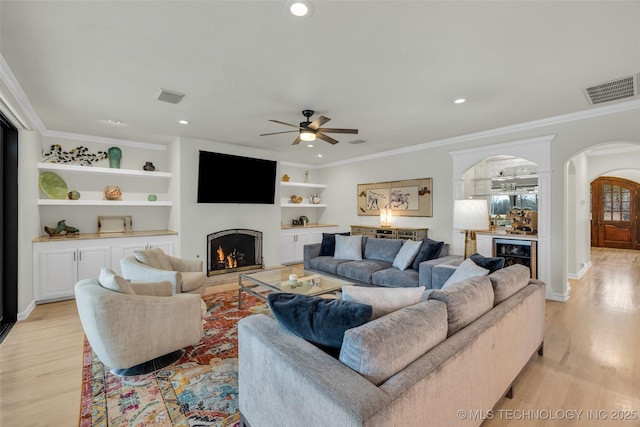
(390, 232)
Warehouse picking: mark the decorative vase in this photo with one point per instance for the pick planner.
(315, 198)
(112, 192)
(73, 195)
(152, 197)
(148, 166)
(115, 155)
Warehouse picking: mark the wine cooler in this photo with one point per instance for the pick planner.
(518, 252)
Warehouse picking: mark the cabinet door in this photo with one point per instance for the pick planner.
(288, 248)
(58, 273)
(91, 260)
(302, 238)
(484, 244)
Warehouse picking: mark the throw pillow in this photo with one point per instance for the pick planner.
(348, 247)
(328, 245)
(430, 249)
(321, 321)
(383, 300)
(492, 264)
(466, 270)
(155, 258)
(110, 280)
(406, 255)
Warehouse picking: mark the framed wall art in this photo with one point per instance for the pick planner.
(409, 197)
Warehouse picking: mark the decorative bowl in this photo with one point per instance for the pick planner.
(296, 199)
(112, 193)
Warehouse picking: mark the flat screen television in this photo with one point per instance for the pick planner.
(225, 178)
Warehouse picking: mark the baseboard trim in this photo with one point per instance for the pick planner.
(23, 315)
(582, 272)
(555, 296)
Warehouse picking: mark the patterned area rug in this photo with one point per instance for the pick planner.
(200, 389)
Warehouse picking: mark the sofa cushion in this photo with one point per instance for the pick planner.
(491, 264)
(110, 280)
(382, 300)
(192, 280)
(466, 301)
(328, 244)
(321, 321)
(508, 281)
(361, 271)
(466, 270)
(348, 247)
(382, 249)
(406, 254)
(327, 264)
(383, 347)
(394, 278)
(430, 249)
(155, 258)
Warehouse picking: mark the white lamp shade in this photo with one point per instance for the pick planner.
(471, 214)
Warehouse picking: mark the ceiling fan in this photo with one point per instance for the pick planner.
(309, 130)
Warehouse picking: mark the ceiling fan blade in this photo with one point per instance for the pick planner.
(336, 130)
(297, 141)
(326, 138)
(286, 124)
(318, 122)
(276, 133)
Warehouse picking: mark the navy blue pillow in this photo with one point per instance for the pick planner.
(321, 321)
(491, 264)
(328, 245)
(430, 249)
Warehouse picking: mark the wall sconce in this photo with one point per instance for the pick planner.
(470, 215)
(385, 217)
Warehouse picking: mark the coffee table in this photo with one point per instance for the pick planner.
(277, 280)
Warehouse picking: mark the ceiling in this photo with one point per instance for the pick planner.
(391, 69)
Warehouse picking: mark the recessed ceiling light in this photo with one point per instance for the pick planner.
(459, 101)
(310, 145)
(115, 122)
(319, 155)
(184, 122)
(300, 8)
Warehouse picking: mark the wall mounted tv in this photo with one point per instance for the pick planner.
(225, 178)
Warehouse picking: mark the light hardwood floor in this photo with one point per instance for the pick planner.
(591, 359)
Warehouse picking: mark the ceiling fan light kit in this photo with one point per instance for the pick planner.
(310, 130)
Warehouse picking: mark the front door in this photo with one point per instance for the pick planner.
(614, 213)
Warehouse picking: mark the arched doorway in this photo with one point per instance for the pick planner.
(614, 208)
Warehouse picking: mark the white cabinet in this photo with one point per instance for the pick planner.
(127, 246)
(58, 267)
(59, 264)
(292, 242)
(484, 244)
(291, 246)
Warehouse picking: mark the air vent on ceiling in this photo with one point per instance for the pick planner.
(357, 141)
(169, 96)
(625, 87)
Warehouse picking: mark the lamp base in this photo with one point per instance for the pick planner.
(470, 246)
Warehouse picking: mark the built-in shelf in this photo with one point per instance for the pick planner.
(59, 202)
(303, 205)
(62, 167)
(301, 184)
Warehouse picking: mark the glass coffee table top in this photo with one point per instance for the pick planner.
(277, 280)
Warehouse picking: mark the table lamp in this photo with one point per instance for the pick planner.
(470, 215)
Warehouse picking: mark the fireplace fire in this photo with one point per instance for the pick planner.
(234, 250)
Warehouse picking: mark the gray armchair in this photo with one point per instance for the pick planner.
(153, 265)
(139, 329)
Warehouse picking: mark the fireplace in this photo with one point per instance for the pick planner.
(234, 250)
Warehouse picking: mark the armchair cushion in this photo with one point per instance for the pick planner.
(110, 280)
(192, 280)
(155, 258)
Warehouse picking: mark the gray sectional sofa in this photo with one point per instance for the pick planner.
(458, 351)
(375, 268)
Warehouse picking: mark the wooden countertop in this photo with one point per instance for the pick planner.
(86, 236)
(289, 227)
